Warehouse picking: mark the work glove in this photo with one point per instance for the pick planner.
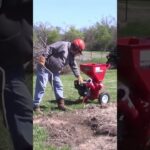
(80, 79)
(41, 60)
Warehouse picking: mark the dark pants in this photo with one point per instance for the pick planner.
(18, 108)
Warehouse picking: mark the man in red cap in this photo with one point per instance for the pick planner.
(50, 65)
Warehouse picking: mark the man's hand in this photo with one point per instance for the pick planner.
(80, 79)
(41, 60)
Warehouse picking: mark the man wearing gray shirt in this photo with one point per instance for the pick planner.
(50, 64)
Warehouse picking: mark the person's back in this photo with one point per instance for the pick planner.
(57, 56)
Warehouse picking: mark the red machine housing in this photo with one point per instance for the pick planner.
(97, 73)
(134, 73)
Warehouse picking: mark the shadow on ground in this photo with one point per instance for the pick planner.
(68, 102)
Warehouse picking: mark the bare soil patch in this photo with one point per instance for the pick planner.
(92, 128)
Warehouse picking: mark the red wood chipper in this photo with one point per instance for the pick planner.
(90, 88)
(133, 93)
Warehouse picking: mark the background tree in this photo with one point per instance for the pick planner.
(99, 37)
(40, 33)
(53, 35)
(72, 33)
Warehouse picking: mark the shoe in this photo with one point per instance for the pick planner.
(37, 109)
(61, 104)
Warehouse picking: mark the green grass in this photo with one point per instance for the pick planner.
(110, 83)
(39, 135)
(101, 51)
(99, 60)
(96, 60)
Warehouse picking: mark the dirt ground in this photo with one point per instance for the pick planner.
(92, 128)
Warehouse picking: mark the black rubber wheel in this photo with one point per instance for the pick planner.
(104, 98)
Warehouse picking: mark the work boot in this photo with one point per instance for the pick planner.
(61, 105)
(36, 109)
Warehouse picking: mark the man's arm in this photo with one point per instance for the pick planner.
(74, 67)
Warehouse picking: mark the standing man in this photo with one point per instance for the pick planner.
(58, 55)
(16, 49)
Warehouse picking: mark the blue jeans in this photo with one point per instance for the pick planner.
(43, 76)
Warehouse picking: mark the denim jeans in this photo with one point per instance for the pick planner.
(43, 75)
